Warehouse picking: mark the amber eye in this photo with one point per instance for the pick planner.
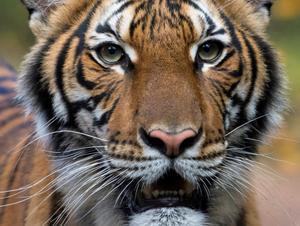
(110, 53)
(210, 51)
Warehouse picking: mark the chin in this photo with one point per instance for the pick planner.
(168, 216)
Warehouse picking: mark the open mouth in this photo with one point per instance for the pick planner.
(169, 191)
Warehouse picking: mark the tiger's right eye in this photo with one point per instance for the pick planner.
(210, 51)
(110, 53)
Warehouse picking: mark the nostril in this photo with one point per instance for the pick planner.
(191, 141)
(152, 141)
(171, 145)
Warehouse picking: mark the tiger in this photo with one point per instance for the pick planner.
(145, 112)
(12, 118)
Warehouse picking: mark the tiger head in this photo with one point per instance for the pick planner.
(152, 110)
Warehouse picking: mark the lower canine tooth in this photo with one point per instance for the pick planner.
(155, 193)
(181, 192)
(147, 192)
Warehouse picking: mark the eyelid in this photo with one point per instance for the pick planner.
(98, 39)
(95, 47)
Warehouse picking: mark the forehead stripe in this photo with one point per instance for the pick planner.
(232, 31)
(119, 10)
(61, 59)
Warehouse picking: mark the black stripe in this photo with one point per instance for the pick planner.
(254, 69)
(26, 176)
(39, 87)
(59, 74)
(121, 9)
(226, 58)
(271, 91)
(11, 78)
(239, 72)
(188, 22)
(106, 116)
(272, 86)
(59, 71)
(232, 88)
(97, 99)
(135, 23)
(11, 118)
(217, 104)
(241, 221)
(8, 104)
(211, 26)
(221, 87)
(23, 125)
(7, 66)
(80, 75)
(232, 31)
(221, 106)
(234, 73)
(220, 93)
(58, 214)
(5, 90)
(152, 25)
(193, 4)
(87, 104)
(11, 179)
(106, 29)
(111, 87)
(218, 32)
(110, 91)
(173, 6)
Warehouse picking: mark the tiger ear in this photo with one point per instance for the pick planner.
(39, 11)
(263, 9)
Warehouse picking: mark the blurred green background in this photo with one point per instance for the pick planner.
(16, 39)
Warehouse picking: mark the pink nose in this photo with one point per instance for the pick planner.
(173, 141)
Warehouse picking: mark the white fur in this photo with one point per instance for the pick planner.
(169, 217)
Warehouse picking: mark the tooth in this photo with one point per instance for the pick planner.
(189, 188)
(155, 193)
(147, 192)
(181, 192)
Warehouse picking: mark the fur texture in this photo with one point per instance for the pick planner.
(93, 115)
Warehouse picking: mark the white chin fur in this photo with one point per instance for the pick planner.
(169, 217)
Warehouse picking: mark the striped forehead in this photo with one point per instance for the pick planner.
(119, 18)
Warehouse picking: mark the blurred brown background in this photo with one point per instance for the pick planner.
(278, 175)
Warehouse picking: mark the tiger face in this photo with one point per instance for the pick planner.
(152, 109)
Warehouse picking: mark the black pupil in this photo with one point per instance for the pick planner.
(112, 50)
(208, 47)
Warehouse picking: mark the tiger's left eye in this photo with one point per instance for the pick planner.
(210, 51)
(110, 53)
